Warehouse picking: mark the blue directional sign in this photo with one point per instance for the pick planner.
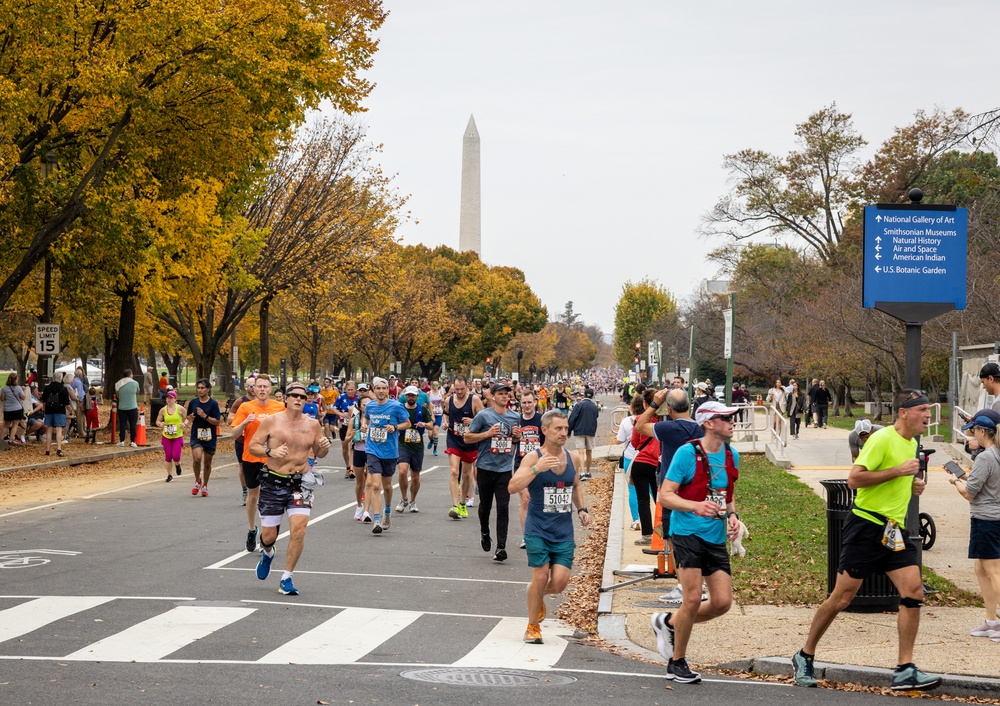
(915, 253)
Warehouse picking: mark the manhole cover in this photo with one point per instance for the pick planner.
(487, 677)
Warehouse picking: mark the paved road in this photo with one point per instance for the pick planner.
(145, 595)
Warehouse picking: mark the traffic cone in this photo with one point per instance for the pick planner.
(140, 431)
(114, 419)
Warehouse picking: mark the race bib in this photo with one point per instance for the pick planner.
(460, 429)
(718, 496)
(204, 434)
(529, 441)
(501, 445)
(170, 429)
(557, 499)
(438, 410)
(378, 435)
(892, 537)
(411, 435)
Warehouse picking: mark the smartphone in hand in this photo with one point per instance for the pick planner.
(954, 469)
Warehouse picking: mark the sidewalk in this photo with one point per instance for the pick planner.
(859, 647)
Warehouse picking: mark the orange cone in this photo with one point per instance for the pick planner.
(140, 431)
(114, 419)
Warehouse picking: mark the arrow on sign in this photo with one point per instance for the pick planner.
(876, 268)
(878, 238)
(878, 248)
(878, 218)
(878, 256)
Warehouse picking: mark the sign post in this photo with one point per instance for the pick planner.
(728, 317)
(47, 347)
(915, 270)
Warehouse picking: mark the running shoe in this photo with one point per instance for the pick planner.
(264, 565)
(501, 555)
(359, 512)
(986, 629)
(252, 540)
(454, 513)
(196, 489)
(120, 443)
(644, 541)
(676, 595)
(386, 521)
(909, 678)
(177, 469)
(402, 505)
(585, 476)
(430, 443)
(377, 529)
(542, 612)
(803, 670)
(366, 518)
(533, 635)
(680, 672)
(486, 542)
(286, 588)
(169, 478)
(435, 450)
(413, 507)
(134, 445)
(351, 476)
(471, 502)
(524, 545)
(463, 511)
(664, 634)
(204, 491)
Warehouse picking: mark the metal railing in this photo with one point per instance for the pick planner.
(957, 435)
(777, 424)
(746, 427)
(932, 427)
(617, 415)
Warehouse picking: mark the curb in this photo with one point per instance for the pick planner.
(951, 684)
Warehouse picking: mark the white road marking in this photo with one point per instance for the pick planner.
(286, 604)
(380, 576)
(505, 648)
(161, 635)
(37, 507)
(125, 487)
(28, 617)
(344, 638)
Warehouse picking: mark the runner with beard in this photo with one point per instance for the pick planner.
(459, 411)
(532, 438)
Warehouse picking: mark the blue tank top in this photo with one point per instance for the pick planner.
(311, 409)
(550, 509)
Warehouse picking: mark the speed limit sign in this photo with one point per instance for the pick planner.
(47, 339)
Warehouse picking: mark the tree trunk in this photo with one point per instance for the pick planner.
(314, 340)
(265, 317)
(121, 354)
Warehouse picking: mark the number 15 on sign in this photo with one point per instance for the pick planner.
(47, 339)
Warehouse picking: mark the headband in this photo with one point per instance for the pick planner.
(915, 402)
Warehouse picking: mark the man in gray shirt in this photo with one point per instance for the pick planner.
(863, 428)
(496, 430)
(128, 407)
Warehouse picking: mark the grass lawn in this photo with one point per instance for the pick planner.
(786, 551)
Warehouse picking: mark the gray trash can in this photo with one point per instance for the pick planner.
(877, 592)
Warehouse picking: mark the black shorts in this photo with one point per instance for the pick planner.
(278, 495)
(343, 432)
(415, 459)
(691, 552)
(207, 446)
(385, 467)
(14, 416)
(984, 539)
(251, 473)
(360, 459)
(862, 552)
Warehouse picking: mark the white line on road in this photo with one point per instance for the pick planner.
(239, 555)
(286, 604)
(505, 648)
(378, 576)
(30, 616)
(38, 507)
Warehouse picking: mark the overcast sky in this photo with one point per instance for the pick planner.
(603, 125)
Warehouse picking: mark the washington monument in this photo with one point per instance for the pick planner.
(470, 224)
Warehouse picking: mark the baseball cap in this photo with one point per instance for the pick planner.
(379, 381)
(984, 418)
(362, 386)
(863, 426)
(588, 392)
(411, 390)
(500, 386)
(990, 370)
(169, 388)
(712, 409)
(392, 377)
(701, 386)
(172, 394)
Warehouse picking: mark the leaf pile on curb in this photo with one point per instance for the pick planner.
(580, 606)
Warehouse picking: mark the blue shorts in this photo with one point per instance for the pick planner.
(542, 552)
(415, 459)
(438, 419)
(984, 539)
(55, 420)
(331, 419)
(381, 466)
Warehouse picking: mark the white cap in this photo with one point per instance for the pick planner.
(411, 390)
(701, 386)
(380, 381)
(712, 409)
(863, 426)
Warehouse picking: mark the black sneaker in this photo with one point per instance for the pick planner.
(501, 555)
(251, 538)
(679, 671)
(664, 634)
(177, 469)
(486, 542)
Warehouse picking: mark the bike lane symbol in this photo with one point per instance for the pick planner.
(24, 558)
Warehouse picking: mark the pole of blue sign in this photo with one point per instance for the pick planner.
(912, 352)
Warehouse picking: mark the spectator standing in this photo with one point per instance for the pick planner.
(56, 398)
(795, 406)
(811, 401)
(13, 408)
(821, 401)
(164, 384)
(982, 489)
(701, 396)
(863, 428)
(128, 408)
(776, 397)
(628, 455)
(80, 386)
(643, 469)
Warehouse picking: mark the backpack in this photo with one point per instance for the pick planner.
(698, 489)
(52, 399)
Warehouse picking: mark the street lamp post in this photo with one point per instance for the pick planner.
(520, 354)
(45, 363)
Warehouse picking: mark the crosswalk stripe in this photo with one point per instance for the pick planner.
(161, 635)
(27, 617)
(505, 648)
(344, 638)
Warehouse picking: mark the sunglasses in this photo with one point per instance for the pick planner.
(296, 395)
(724, 417)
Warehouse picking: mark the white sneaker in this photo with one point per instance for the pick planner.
(359, 513)
(987, 629)
(413, 507)
(120, 443)
(402, 505)
(471, 502)
(674, 596)
(134, 445)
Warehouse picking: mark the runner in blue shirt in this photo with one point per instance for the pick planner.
(384, 419)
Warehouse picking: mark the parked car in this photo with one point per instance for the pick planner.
(274, 379)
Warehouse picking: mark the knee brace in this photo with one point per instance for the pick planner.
(268, 547)
(910, 602)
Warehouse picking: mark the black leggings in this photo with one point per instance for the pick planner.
(493, 484)
(795, 423)
(821, 412)
(644, 480)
